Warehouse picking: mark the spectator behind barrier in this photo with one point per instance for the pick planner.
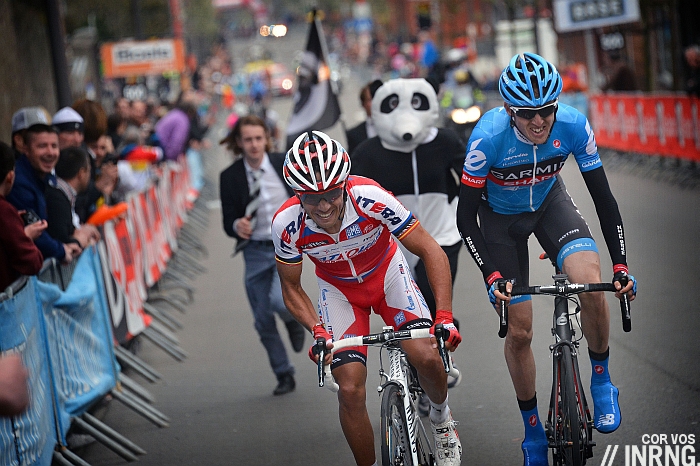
(70, 127)
(116, 125)
(103, 179)
(18, 253)
(72, 178)
(620, 75)
(14, 392)
(174, 128)
(195, 145)
(692, 58)
(33, 174)
(23, 119)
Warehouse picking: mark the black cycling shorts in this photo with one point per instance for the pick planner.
(557, 225)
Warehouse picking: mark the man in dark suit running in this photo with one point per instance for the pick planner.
(364, 130)
(255, 179)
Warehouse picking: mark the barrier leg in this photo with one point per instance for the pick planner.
(136, 388)
(173, 350)
(72, 459)
(159, 419)
(105, 439)
(172, 302)
(59, 459)
(163, 317)
(165, 333)
(127, 359)
(171, 284)
(116, 436)
(191, 260)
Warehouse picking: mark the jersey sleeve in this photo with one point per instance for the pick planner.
(477, 160)
(286, 224)
(585, 149)
(375, 202)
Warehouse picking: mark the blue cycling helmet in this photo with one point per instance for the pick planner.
(529, 81)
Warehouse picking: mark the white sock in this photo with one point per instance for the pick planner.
(439, 413)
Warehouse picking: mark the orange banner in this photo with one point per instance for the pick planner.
(142, 58)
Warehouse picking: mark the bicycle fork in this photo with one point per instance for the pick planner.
(564, 334)
(399, 376)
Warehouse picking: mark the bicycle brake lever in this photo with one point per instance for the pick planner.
(321, 350)
(440, 332)
(503, 321)
(625, 308)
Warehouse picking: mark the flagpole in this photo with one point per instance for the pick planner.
(324, 51)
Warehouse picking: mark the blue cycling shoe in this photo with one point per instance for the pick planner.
(535, 452)
(606, 411)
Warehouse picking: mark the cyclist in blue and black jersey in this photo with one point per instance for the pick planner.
(511, 181)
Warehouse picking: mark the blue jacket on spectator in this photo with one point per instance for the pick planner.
(28, 193)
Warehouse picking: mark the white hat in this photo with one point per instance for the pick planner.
(68, 119)
(30, 116)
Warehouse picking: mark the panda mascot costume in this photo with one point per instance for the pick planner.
(418, 162)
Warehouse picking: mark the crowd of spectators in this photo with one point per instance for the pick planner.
(63, 170)
(64, 174)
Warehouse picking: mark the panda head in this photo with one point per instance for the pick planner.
(403, 112)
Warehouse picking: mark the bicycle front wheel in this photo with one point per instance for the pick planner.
(571, 425)
(396, 446)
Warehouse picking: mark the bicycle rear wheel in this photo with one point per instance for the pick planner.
(396, 446)
(571, 424)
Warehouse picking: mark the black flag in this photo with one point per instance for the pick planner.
(315, 102)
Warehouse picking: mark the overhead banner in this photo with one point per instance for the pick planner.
(576, 15)
(142, 58)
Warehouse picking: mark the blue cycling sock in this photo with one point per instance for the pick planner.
(535, 447)
(599, 364)
(606, 412)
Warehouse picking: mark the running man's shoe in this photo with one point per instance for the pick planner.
(452, 381)
(423, 405)
(535, 452)
(448, 448)
(606, 412)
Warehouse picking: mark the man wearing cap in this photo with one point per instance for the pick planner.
(33, 174)
(69, 125)
(23, 119)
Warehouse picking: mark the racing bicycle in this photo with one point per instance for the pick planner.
(405, 441)
(569, 425)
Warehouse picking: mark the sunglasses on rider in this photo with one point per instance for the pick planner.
(529, 113)
(315, 199)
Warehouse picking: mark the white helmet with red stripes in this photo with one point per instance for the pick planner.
(316, 163)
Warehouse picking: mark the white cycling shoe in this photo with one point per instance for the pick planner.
(448, 448)
(453, 381)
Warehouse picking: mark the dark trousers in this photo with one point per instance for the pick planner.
(421, 276)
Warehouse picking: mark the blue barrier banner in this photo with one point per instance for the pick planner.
(79, 339)
(28, 439)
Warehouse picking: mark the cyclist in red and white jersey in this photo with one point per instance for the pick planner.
(347, 226)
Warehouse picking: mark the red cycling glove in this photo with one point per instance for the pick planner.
(319, 331)
(445, 318)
